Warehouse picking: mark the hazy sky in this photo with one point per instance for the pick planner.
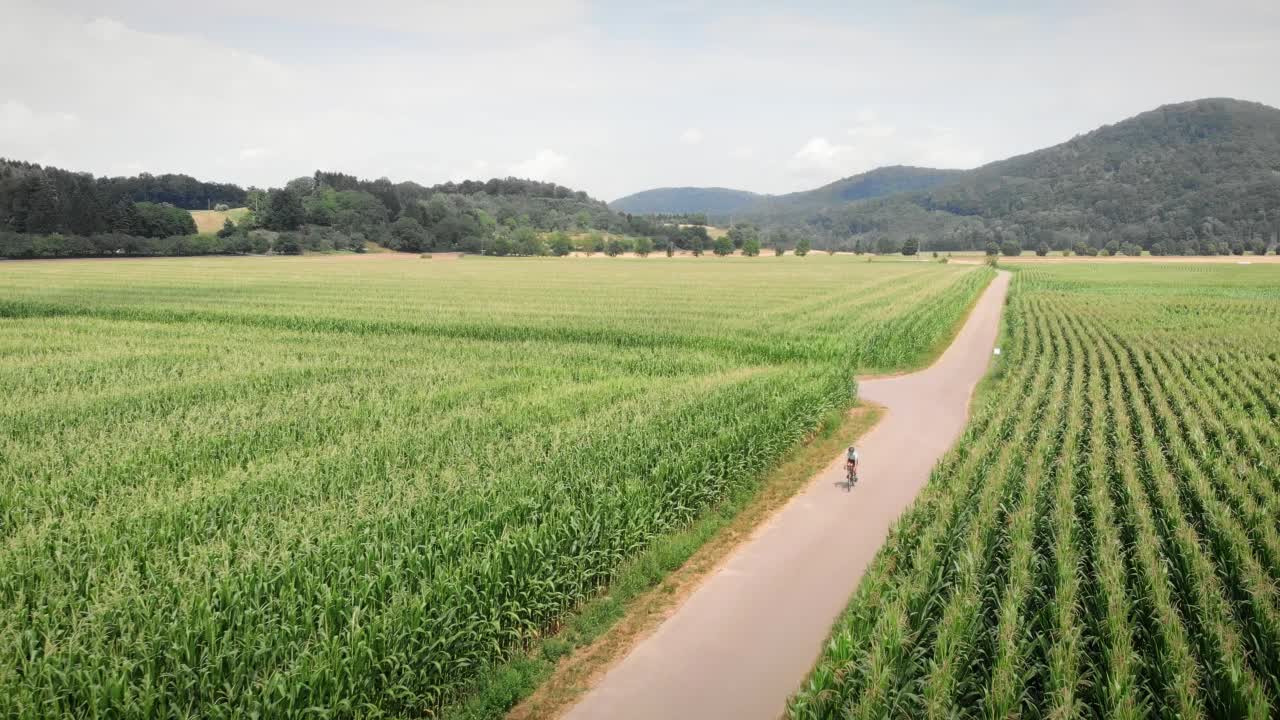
(607, 97)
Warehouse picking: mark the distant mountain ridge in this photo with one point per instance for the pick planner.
(880, 182)
(1197, 176)
(682, 200)
(1202, 174)
(717, 201)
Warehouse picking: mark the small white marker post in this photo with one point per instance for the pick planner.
(996, 351)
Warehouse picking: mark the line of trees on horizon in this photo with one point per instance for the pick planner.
(1209, 238)
(49, 212)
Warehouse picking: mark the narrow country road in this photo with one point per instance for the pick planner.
(748, 636)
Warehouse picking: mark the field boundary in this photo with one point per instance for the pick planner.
(547, 680)
(983, 391)
(1095, 544)
(210, 221)
(122, 347)
(944, 341)
(559, 669)
(729, 630)
(453, 330)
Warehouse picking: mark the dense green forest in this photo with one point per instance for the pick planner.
(1201, 177)
(879, 182)
(711, 201)
(35, 199)
(506, 216)
(722, 204)
(49, 212)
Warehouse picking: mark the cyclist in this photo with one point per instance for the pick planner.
(851, 464)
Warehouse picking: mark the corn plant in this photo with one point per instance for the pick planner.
(1129, 567)
(343, 488)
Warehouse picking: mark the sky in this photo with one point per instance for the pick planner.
(608, 97)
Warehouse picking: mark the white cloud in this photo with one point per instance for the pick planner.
(875, 143)
(870, 127)
(106, 29)
(418, 90)
(252, 153)
(941, 147)
(18, 121)
(544, 165)
(884, 143)
(820, 154)
(474, 170)
(419, 17)
(691, 136)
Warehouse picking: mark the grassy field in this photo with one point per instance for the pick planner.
(268, 486)
(211, 221)
(713, 232)
(1104, 540)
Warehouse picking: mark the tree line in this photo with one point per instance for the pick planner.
(37, 199)
(49, 212)
(506, 216)
(1211, 237)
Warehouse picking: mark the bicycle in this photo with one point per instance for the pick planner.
(851, 474)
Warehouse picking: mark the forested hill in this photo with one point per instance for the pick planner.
(871, 184)
(685, 200)
(720, 202)
(1194, 177)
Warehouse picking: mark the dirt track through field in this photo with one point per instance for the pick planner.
(746, 639)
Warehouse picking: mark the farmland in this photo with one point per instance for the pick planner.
(266, 486)
(1103, 541)
(211, 221)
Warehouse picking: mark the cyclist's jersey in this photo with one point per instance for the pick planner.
(853, 456)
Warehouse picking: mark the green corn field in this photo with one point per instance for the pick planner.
(1104, 541)
(342, 487)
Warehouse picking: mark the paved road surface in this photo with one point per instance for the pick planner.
(748, 636)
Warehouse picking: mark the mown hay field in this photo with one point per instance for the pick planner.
(1105, 539)
(328, 487)
(211, 221)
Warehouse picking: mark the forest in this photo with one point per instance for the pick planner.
(1195, 178)
(50, 212)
